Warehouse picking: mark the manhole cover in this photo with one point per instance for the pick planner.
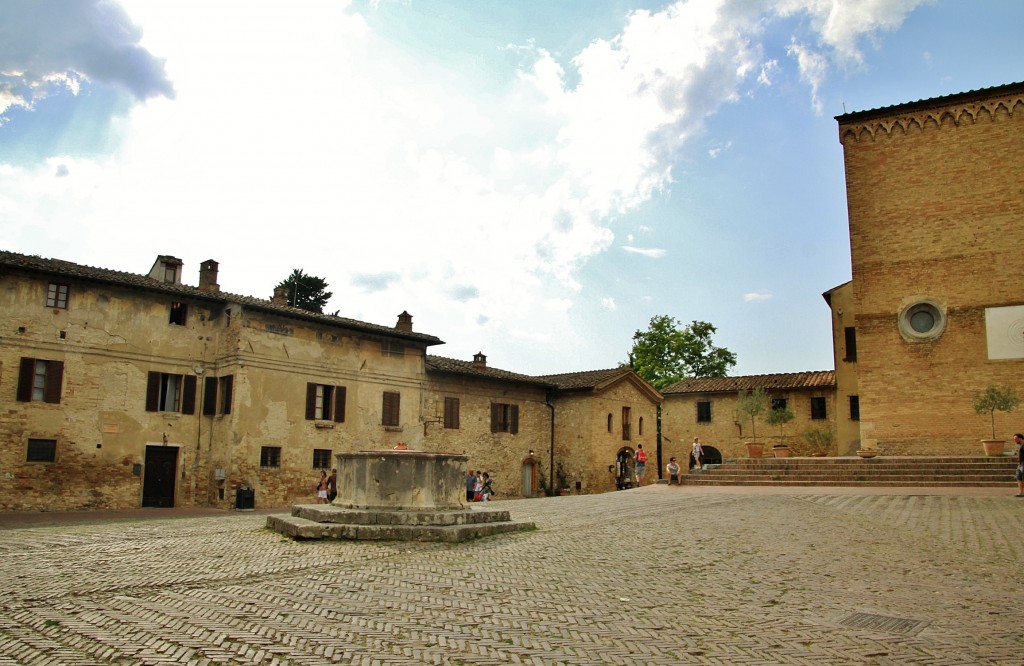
(892, 625)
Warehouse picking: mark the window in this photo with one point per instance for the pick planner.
(626, 435)
(609, 422)
(171, 393)
(321, 458)
(179, 313)
(854, 408)
(391, 408)
(851, 343)
(41, 450)
(703, 411)
(217, 395)
(818, 408)
(451, 413)
(270, 456)
(57, 296)
(922, 322)
(325, 403)
(504, 418)
(778, 404)
(40, 380)
(640, 427)
(391, 348)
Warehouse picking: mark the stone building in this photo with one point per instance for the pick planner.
(935, 309)
(707, 408)
(601, 416)
(120, 390)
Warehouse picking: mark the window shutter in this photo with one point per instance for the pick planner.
(451, 413)
(310, 402)
(188, 395)
(495, 416)
(54, 381)
(209, 396)
(392, 406)
(229, 392)
(513, 418)
(339, 404)
(153, 392)
(28, 367)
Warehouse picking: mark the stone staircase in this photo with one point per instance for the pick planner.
(962, 471)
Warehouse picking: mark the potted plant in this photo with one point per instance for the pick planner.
(563, 480)
(819, 441)
(868, 448)
(751, 404)
(995, 399)
(780, 417)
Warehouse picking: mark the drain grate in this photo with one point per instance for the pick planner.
(892, 625)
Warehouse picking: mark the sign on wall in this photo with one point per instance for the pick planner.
(1004, 331)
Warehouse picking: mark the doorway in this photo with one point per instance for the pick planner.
(160, 472)
(529, 478)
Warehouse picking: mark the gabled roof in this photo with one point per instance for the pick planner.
(931, 103)
(65, 269)
(776, 382)
(468, 369)
(599, 380)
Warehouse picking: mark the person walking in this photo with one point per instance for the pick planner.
(470, 485)
(487, 490)
(640, 466)
(698, 453)
(332, 486)
(1019, 439)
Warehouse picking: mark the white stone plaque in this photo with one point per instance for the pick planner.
(1004, 331)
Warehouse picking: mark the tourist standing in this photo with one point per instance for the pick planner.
(321, 488)
(332, 486)
(640, 464)
(487, 490)
(698, 453)
(470, 485)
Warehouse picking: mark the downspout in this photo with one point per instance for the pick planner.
(551, 444)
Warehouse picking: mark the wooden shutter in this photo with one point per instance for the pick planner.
(495, 416)
(209, 396)
(339, 404)
(28, 368)
(153, 392)
(392, 406)
(54, 381)
(513, 419)
(451, 413)
(188, 395)
(229, 392)
(310, 402)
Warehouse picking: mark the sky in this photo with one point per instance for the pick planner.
(532, 180)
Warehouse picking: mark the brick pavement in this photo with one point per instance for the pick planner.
(655, 575)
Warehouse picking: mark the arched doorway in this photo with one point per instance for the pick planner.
(624, 472)
(528, 478)
(712, 456)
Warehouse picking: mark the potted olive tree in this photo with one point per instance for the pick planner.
(780, 417)
(995, 399)
(751, 404)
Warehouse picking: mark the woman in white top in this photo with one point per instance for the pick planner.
(698, 452)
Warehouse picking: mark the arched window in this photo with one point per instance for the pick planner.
(609, 422)
(640, 426)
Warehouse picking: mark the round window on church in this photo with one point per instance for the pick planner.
(922, 321)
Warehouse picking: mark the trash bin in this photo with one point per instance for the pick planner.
(245, 498)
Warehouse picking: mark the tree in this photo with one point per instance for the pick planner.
(751, 404)
(667, 352)
(307, 292)
(995, 399)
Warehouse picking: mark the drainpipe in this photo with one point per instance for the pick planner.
(551, 444)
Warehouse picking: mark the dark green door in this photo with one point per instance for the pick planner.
(160, 470)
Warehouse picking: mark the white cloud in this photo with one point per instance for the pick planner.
(650, 252)
(608, 303)
(757, 296)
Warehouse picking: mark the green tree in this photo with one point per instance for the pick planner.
(307, 292)
(667, 352)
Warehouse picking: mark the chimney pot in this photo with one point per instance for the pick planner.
(208, 276)
(404, 322)
(479, 361)
(280, 296)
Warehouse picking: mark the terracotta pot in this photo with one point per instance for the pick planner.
(781, 451)
(755, 449)
(993, 447)
(867, 453)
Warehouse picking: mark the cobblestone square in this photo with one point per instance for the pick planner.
(656, 575)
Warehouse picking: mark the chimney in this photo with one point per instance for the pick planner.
(208, 276)
(479, 361)
(280, 295)
(404, 322)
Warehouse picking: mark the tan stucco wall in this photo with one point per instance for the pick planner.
(843, 315)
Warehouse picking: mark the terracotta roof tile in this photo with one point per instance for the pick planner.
(466, 368)
(787, 380)
(67, 269)
(586, 379)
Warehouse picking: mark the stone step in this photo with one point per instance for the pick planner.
(957, 471)
(323, 513)
(303, 528)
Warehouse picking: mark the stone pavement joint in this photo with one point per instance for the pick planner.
(655, 575)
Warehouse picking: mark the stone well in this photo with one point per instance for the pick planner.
(399, 495)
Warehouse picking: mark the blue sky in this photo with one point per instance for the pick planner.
(531, 180)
